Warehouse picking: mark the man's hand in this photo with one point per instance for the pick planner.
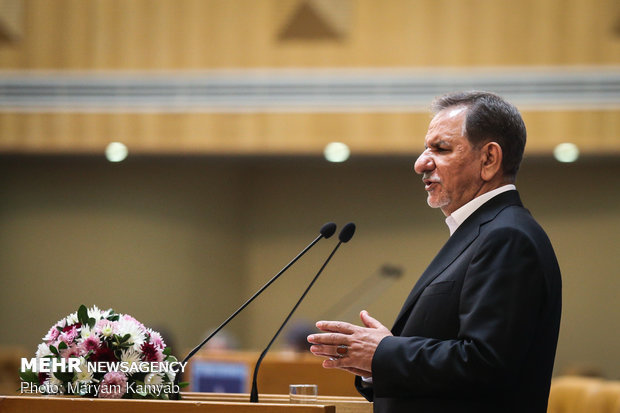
(347, 346)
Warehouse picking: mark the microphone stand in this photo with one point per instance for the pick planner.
(176, 395)
(345, 235)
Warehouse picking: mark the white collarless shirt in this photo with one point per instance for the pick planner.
(459, 216)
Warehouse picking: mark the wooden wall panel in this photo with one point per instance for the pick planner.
(199, 34)
(147, 35)
(278, 133)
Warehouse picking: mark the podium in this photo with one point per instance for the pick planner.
(342, 404)
(191, 403)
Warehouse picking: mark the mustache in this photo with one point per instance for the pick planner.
(429, 177)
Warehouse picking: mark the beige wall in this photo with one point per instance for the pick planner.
(159, 241)
(183, 242)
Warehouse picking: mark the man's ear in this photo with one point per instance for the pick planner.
(491, 158)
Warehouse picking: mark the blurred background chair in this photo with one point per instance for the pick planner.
(579, 394)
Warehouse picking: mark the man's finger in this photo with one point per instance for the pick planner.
(344, 364)
(332, 339)
(336, 327)
(357, 372)
(323, 351)
(369, 321)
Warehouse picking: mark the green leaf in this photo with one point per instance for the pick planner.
(62, 346)
(125, 338)
(167, 351)
(140, 385)
(29, 376)
(91, 322)
(183, 384)
(83, 314)
(64, 377)
(54, 349)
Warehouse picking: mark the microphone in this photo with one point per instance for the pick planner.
(365, 292)
(345, 235)
(326, 231)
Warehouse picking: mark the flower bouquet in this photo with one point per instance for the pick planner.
(95, 353)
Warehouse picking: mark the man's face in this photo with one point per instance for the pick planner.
(450, 166)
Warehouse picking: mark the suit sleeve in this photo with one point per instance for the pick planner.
(365, 389)
(500, 303)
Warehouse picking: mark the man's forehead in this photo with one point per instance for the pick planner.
(447, 124)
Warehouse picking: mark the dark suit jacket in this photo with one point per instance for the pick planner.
(479, 330)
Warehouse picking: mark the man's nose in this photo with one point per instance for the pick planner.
(424, 163)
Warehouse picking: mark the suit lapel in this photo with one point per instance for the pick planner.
(458, 242)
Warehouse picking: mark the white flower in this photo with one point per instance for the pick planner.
(43, 350)
(136, 332)
(130, 356)
(153, 379)
(72, 319)
(84, 376)
(95, 313)
(85, 332)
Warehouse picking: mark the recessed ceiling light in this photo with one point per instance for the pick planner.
(116, 152)
(566, 152)
(336, 152)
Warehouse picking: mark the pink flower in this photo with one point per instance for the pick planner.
(156, 339)
(113, 385)
(91, 343)
(52, 335)
(151, 353)
(69, 333)
(71, 351)
(105, 324)
(103, 353)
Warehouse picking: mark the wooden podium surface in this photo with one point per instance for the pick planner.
(191, 403)
(24, 404)
(342, 404)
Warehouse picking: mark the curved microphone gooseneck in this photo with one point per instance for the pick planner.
(345, 235)
(326, 231)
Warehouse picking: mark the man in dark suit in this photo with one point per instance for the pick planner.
(478, 332)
